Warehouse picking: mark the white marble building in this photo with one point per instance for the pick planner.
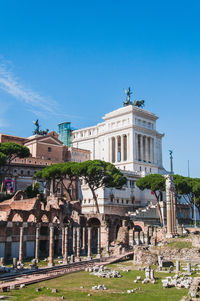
(127, 138)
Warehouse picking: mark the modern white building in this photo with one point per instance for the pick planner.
(127, 138)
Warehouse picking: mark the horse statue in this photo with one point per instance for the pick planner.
(139, 103)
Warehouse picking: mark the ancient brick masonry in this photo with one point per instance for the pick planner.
(30, 228)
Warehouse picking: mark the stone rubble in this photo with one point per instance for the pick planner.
(177, 281)
(99, 287)
(103, 272)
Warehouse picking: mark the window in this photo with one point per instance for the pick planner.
(122, 201)
(22, 161)
(126, 201)
(15, 171)
(49, 149)
(117, 201)
(28, 172)
(112, 198)
(29, 161)
(21, 172)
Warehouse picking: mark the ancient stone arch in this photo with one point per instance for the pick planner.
(44, 218)
(31, 218)
(56, 220)
(17, 218)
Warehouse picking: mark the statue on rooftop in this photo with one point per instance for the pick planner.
(136, 103)
(37, 131)
(128, 97)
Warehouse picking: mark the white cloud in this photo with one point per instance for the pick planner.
(11, 85)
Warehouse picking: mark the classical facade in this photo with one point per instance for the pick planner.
(127, 138)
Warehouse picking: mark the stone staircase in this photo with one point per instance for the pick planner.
(146, 214)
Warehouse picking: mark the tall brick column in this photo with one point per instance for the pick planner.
(78, 242)
(66, 245)
(83, 239)
(21, 244)
(51, 245)
(63, 241)
(89, 241)
(74, 240)
(99, 241)
(37, 242)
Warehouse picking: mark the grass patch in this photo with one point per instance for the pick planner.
(180, 244)
(70, 285)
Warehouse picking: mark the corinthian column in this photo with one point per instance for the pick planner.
(141, 148)
(146, 149)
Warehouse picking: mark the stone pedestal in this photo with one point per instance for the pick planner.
(37, 243)
(21, 244)
(2, 260)
(14, 262)
(51, 246)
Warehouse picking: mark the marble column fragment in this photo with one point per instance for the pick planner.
(37, 242)
(21, 244)
(188, 267)
(51, 246)
(14, 262)
(89, 241)
(177, 266)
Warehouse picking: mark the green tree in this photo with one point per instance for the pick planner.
(155, 183)
(97, 173)
(3, 159)
(63, 174)
(13, 150)
(189, 188)
(9, 151)
(32, 192)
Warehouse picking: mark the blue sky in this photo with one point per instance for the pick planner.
(70, 60)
